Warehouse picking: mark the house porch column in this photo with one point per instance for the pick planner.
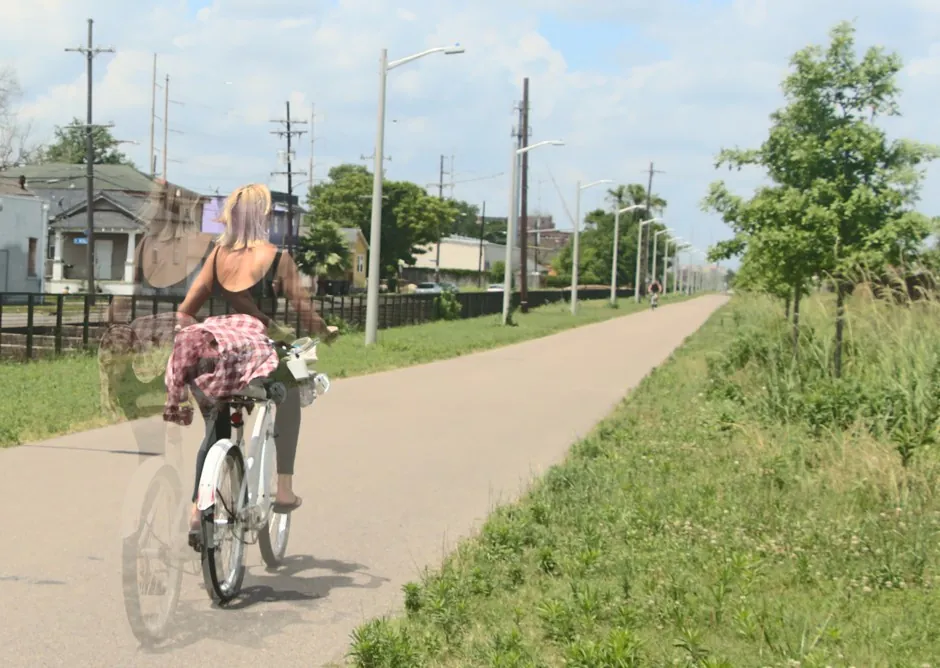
(129, 260)
(57, 256)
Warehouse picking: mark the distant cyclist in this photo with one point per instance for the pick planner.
(655, 289)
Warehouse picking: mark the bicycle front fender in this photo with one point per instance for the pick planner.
(205, 497)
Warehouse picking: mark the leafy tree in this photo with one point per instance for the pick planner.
(632, 194)
(69, 146)
(843, 194)
(14, 132)
(466, 223)
(323, 250)
(498, 271)
(411, 219)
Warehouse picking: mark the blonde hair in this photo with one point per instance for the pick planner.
(170, 213)
(245, 216)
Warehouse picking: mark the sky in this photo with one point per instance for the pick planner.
(622, 82)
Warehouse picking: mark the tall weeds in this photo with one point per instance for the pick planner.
(890, 381)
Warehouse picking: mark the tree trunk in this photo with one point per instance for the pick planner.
(797, 294)
(786, 307)
(840, 328)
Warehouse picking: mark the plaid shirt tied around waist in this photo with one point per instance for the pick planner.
(239, 347)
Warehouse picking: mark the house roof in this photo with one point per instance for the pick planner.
(13, 188)
(104, 220)
(59, 175)
(64, 200)
(121, 206)
(124, 216)
(354, 233)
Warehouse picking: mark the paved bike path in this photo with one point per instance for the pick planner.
(393, 468)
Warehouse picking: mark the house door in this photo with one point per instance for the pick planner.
(104, 249)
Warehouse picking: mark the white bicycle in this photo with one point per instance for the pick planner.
(236, 490)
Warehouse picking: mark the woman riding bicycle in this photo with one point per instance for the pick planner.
(249, 272)
(133, 352)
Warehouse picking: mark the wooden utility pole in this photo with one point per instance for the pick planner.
(313, 138)
(151, 163)
(288, 133)
(524, 205)
(312, 180)
(482, 232)
(166, 121)
(90, 52)
(440, 195)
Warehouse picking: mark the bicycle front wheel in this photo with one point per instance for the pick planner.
(223, 531)
(272, 539)
(151, 570)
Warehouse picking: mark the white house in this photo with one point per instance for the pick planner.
(23, 233)
(463, 254)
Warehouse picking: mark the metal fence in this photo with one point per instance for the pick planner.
(40, 325)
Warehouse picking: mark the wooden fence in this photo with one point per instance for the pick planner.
(40, 325)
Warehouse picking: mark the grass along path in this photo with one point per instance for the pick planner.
(686, 531)
(51, 397)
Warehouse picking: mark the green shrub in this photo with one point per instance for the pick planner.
(447, 307)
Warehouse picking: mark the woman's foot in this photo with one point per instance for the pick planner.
(195, 530)
(287, 503)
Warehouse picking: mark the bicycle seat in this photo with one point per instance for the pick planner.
(255, 390)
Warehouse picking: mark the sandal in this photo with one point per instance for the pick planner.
(285, 508)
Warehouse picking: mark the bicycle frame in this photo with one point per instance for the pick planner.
(256, 498)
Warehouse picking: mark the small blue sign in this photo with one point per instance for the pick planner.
(80, 241)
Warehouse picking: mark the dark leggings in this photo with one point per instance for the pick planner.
(286, 429)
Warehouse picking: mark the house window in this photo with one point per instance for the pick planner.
(31, 257)
(360, 263)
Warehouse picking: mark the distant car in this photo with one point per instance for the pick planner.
(428, 289)
(450, 287)
(495, 287)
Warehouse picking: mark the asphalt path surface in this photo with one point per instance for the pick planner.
(394, 468)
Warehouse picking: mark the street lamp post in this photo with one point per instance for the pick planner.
(676, 282)
(511, 219)
(375, 236)
(696, 274)
(575, 250)
(666, 265)
(613, 263)
(686, 274)
(655, 241)
(639, 242)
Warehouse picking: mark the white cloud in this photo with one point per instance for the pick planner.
(687, 79)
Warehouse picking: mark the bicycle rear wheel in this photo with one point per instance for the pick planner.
(272, 539)
(152, 570)
(223, 532)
